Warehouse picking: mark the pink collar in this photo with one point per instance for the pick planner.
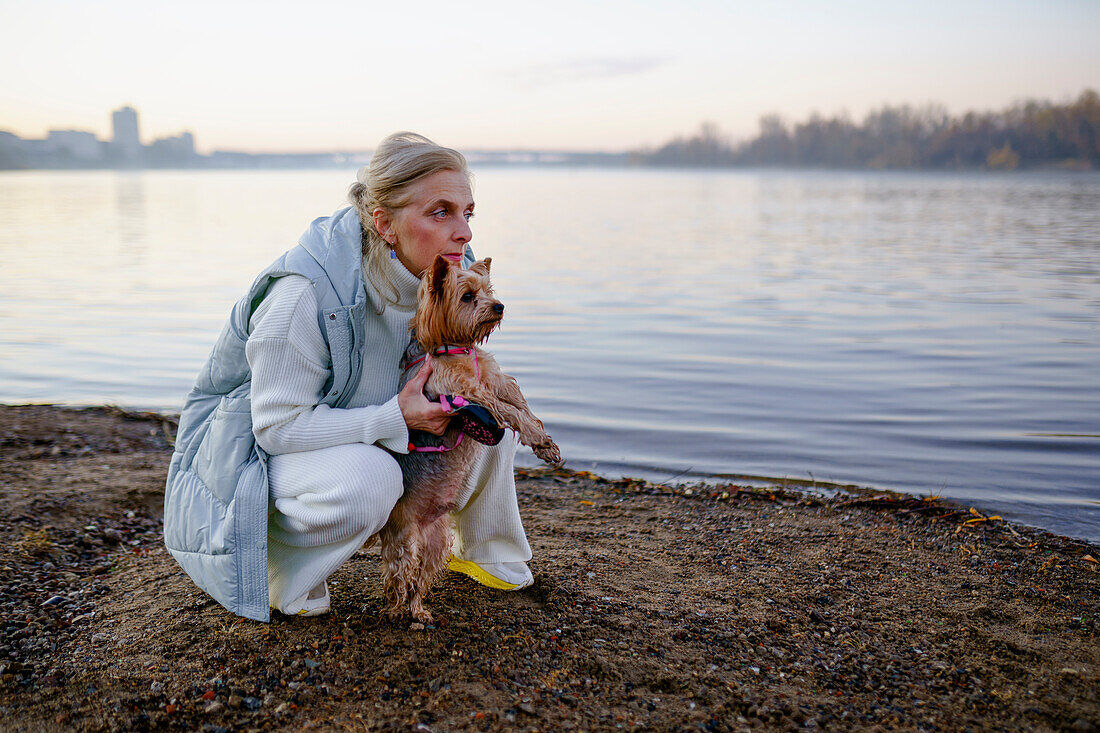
(451, 351)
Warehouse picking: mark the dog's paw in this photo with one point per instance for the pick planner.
(548, 451)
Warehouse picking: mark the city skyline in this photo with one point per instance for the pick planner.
(614, 76)
(69, 148)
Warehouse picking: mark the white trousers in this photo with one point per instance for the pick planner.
(328, 502)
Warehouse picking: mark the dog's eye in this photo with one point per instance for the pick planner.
(467, 297)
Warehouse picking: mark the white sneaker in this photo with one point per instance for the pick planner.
(499, 575)
(314, 603)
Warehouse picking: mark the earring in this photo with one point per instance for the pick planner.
(393, 253)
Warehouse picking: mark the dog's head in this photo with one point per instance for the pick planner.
(455, 306)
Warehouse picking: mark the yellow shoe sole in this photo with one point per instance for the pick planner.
(476, 572)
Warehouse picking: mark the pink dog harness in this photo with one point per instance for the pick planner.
(455, 402)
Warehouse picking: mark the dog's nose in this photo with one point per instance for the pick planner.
(498, 308)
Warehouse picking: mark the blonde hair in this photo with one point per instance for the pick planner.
(399, 161)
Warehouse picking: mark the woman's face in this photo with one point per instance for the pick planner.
(436, 221)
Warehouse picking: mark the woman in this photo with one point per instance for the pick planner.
(281, 470)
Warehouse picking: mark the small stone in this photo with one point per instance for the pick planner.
(209, 695)
(54, 600)
(283, 707)
(156, 687)
(416, 626)
(213, 707)
(235, 701)
(253, 703)
(311, 663)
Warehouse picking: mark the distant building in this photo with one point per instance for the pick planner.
(16, 152)
(173, 151)
(13, 154)
(75, 146)
(126, 144)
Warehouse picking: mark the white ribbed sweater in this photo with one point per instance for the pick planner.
(290, 363)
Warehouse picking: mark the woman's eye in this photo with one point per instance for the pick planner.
(440, 214)
(467, 297)
(469, 215)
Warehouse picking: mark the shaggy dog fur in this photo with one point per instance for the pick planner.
(456, 308)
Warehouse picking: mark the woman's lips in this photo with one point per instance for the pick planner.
(453, 257)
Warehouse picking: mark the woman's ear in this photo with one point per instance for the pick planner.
(383, 224)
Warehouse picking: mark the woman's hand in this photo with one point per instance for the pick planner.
(419, 413)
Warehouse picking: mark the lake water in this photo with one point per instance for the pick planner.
(925, 332)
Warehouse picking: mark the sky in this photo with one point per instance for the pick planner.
(611, 75)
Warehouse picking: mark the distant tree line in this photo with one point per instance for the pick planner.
(1031, 134)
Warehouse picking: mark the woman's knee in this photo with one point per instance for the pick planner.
(374, 486)
(353, 486)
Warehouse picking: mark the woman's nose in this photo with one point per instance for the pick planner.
(463, 233)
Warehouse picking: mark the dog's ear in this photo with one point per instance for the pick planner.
(439, 274)
(482, 266)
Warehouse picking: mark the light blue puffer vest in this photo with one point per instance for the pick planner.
(216, 498)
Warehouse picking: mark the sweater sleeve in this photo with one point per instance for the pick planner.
(290, 364)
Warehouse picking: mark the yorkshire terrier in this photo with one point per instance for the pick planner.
(456, 311)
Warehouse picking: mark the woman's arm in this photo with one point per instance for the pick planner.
(290, 365)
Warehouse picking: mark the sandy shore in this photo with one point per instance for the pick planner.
(653, 608)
